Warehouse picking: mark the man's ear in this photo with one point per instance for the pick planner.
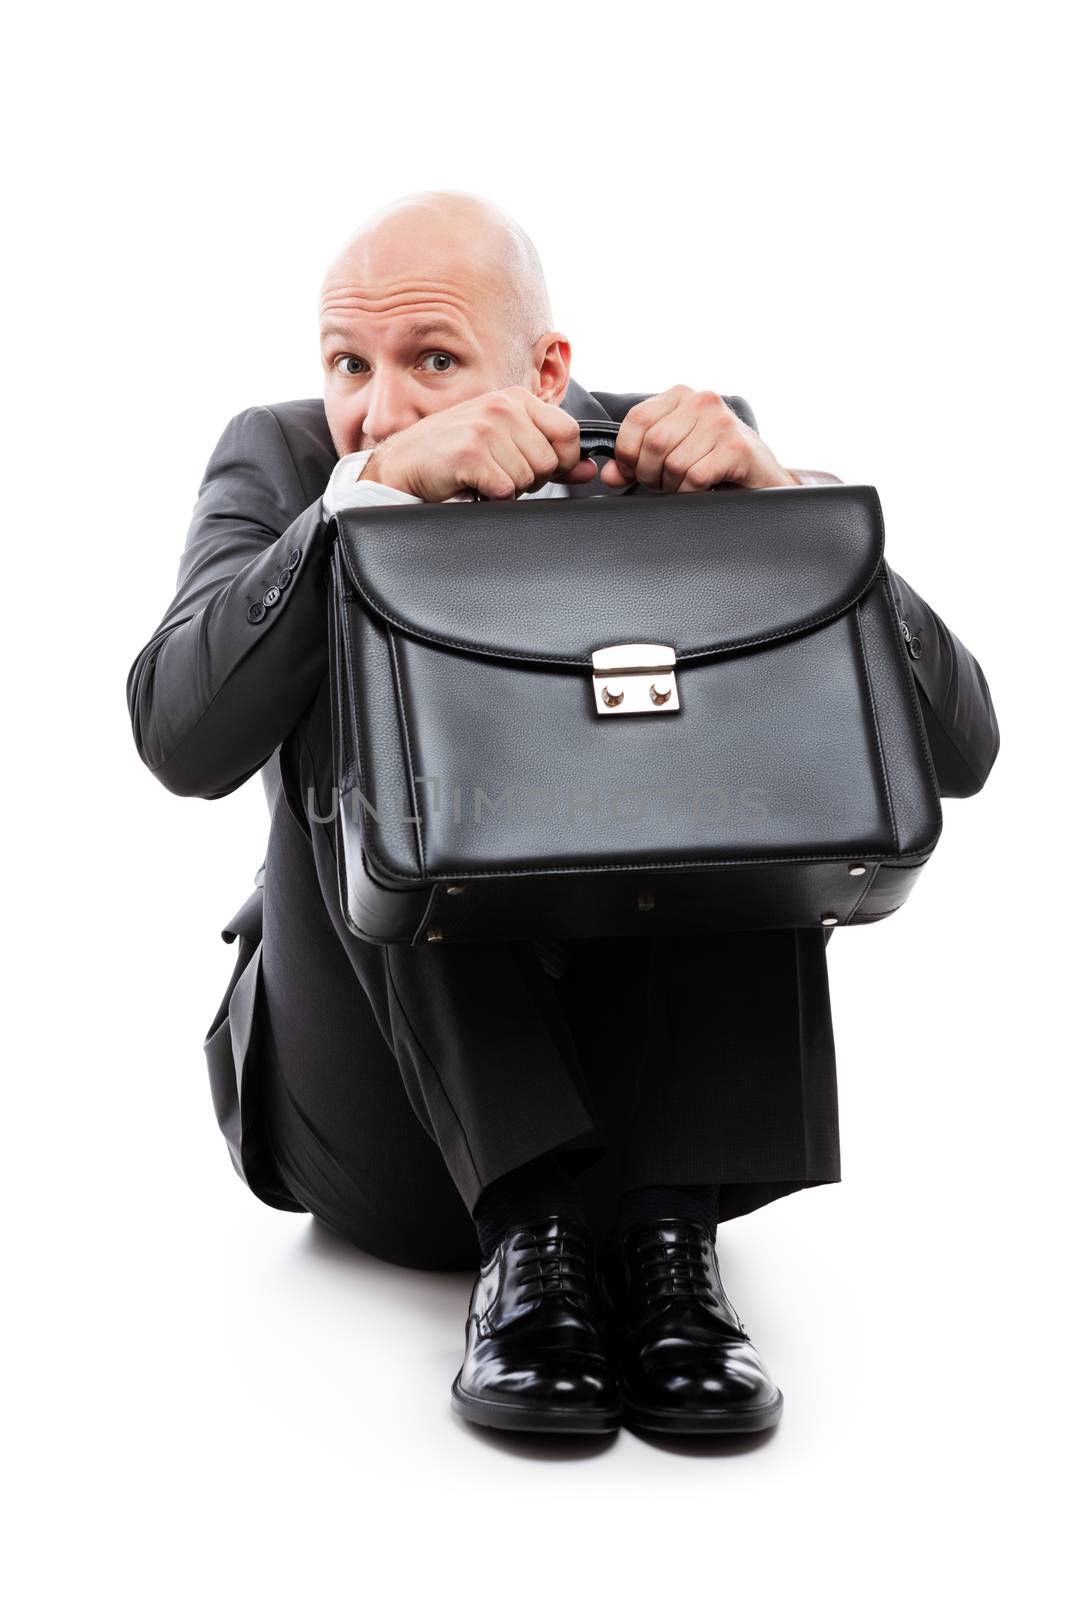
(551, 358)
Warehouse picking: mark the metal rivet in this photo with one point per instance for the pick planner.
(455, 888)
(829, 920)
(433, 934)
(610, 699)
(857, 869)
(659, 692)
(646, 901)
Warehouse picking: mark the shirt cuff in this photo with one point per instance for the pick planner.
(807, 476)
(346, 491)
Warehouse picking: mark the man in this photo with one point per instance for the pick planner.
(575, 1117)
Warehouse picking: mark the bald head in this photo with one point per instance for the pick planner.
(438, 276)
(445, 236)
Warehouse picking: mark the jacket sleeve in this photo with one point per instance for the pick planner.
(242, 647)
(957, 707)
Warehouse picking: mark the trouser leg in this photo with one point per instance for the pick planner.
(347, 1144)
(737, 1084)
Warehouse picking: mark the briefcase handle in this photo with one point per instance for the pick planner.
(597, 438)
(594, 439)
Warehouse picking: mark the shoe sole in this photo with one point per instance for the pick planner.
(530, 1419)
(655, 1420)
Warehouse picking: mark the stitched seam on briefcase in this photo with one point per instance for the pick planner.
(749, 643)
(343, 677)
(877, 729)
(637, 866)
(408, 762)
(346, 690)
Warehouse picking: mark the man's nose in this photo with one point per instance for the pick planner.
(390, 407)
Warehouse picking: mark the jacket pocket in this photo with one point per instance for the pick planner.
(233, 1049)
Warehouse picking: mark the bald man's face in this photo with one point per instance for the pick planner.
(411, 324)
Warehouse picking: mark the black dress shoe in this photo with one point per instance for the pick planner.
(537, 1355)
(685, 1363)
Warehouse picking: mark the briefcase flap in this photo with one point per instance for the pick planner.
(553, 580)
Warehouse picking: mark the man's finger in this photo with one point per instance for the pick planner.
(546, 453)
(558, 427)
(661, 437)
(584, 472)
(510, 458)
(688, 452)
(611, 476)
(711, 469)
(635, 424)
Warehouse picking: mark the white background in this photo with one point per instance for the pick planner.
(847, 215)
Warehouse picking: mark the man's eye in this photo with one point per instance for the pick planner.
(345, 365)
(441, 355)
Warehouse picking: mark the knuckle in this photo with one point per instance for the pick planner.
(700, 475)
(658, 437)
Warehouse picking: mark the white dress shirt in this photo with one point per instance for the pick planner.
(346, 489)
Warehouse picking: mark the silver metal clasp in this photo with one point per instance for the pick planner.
(634, 677)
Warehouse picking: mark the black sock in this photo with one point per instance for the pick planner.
(692, 1202)
(541, 1188)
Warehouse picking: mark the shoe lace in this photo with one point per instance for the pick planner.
(674, 1270)
(552, 1264)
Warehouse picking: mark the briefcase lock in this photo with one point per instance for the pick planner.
(634, 677)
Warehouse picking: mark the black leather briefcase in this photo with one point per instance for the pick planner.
(622, 714)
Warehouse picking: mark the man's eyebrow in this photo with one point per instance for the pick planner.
(418, 330)
(422, 330)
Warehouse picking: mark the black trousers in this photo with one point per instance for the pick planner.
(398, 1081)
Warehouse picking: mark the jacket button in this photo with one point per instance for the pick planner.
(293, 559)
(915, 648)
(284, 578)
(256, 612)
(272, 596)
(905, 630)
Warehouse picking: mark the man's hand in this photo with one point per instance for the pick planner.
(503, 443)
(688, 439)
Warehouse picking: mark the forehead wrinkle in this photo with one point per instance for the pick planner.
(340, 305)
(349, 304)
(398, 293)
